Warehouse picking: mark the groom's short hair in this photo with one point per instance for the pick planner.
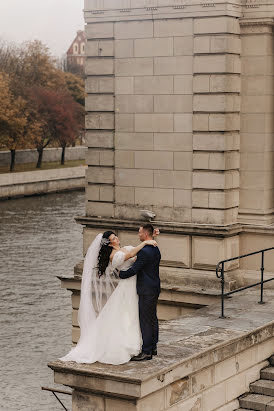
(149, 229)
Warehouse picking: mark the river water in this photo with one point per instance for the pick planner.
(39, 240)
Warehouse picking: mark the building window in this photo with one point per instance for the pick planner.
(75, 48)
(82, 48)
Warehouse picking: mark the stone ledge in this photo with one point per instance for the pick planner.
(187, 345)
(211, 230)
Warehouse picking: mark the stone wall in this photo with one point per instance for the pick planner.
(41, 182)
(49, 154)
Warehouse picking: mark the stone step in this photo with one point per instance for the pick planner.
(271, 360)
(203, 282)
(257, 402)
(267, 373)
(265, 387)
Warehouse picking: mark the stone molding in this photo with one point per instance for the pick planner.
(153, 9)
(211, 230)
(256, 26)
(99, 10)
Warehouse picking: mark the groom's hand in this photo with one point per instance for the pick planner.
(116, 273)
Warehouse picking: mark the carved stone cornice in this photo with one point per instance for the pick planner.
(121, 10)
(256, 25)
(155, 9)
(258, 8)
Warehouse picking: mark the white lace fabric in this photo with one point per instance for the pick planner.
(108, 317)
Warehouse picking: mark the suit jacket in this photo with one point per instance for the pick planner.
(146, 267)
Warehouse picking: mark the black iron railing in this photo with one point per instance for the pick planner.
(220, 274)
(54, 390)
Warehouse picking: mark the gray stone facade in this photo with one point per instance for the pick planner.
(180, 122)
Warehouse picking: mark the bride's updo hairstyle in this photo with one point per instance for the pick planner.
(104, 253)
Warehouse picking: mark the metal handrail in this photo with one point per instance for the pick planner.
(54, 390)
(220, 274)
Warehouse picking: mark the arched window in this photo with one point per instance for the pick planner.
(75, 48)
(82, 48)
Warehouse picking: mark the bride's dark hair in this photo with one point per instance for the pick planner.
(104, 253)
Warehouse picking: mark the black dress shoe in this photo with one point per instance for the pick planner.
(154, 352)
(141, 357)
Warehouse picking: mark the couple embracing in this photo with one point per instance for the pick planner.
(119, 323)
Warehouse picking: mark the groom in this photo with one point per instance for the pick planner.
(146, 267)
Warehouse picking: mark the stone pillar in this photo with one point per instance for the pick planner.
(257, 126)
(216, 119)
(100, 119)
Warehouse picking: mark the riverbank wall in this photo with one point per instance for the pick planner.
(41, 182)
(49, 155)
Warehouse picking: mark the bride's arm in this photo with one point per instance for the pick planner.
(135, 250)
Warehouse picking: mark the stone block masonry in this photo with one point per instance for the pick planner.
(170, 94)
(150, 117)
(100, 119)
(216, 109)
(168, 77)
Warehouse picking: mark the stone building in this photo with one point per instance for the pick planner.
(77, 50)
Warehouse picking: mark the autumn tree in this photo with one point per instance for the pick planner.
(76, 87)
(59, 117)
(13, 119)
(74, 68)
(35, 84)
(70, 122)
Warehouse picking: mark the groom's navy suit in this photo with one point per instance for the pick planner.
(146, 267)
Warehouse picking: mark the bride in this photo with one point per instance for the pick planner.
(110, 332)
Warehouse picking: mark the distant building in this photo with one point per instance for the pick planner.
(76, 52)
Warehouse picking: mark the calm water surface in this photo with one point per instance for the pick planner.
(39, 240)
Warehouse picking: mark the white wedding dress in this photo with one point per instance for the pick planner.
(114, 336)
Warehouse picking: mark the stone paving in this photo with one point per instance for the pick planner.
(190, 336)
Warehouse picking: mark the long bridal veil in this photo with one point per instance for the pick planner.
(94, 293)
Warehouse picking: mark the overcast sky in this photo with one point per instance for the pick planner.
(54, 22)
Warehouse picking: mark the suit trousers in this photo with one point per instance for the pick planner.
(149, 322)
